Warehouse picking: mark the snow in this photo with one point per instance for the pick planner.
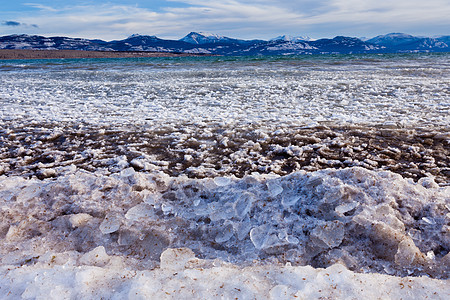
(208, 178)
(291, 46)
(197, 51)
(184, 276)
(290, 38)
(202, 38)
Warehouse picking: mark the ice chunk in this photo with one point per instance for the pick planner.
(29, 193)
(259, 235)
(273, 241)
(428, 182)
(220, 211)
(96, 257)
(127, 172)
(151, 244)
(12, 233)
(127, 237)
(328, 235)
(431, 255)
(137, 163)
(295, 255)
(386, 214)
(142, 164)
(280, 292)
(150, 198)
(122, 163)
(274, 188)
(292, 240)
(222, 181)
(428, 221)
(408, 254)
(289, 200)
(243, 204)
(243, 228)
(225, 233)
(79, 220)
(346, 207)
(61, 292)
(110, 224)
(142, 210)
(166, 208)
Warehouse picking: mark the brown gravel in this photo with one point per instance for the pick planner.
(186, 150)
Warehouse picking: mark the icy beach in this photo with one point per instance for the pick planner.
(249, 178)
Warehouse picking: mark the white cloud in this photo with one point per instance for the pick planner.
(244, 18)
(41, 7)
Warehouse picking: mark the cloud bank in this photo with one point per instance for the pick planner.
(10, 23)
(241, 18)
(17, 24)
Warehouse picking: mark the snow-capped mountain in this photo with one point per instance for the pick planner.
(290, 38)
(393, 39)
(444, 39)
(203, 38)
(137, 42)
(199, 38)
(220, 45)
(23, 41)
(342, 44)
(402, 41)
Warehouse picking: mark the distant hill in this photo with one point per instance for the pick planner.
(406, 42)
(198, 42)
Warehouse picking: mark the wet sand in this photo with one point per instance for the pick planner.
(52, 54)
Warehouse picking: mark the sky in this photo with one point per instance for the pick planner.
(245, 19)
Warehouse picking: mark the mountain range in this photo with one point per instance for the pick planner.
(199, 42)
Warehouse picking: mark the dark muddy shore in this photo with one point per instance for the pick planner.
(209, 152)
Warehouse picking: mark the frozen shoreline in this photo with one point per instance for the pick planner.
(211, 150)
(282, 177)
(187, 277)
(88, 235)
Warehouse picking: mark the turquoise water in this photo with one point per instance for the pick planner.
(337, 59)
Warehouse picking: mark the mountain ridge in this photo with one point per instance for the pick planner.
(208, 43)
(290, 38)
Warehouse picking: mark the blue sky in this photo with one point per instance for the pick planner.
(261, 19)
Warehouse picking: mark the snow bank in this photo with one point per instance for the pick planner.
(367, 221)
(200, 279)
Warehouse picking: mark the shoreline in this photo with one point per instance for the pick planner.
(10, 54)
(410, 152)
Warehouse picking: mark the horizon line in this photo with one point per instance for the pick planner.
(363, 38)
